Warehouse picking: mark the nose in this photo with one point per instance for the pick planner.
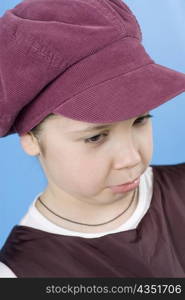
(126, 153)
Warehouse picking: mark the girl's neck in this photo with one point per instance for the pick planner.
(91, 217)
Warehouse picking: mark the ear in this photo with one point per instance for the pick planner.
(30, 144)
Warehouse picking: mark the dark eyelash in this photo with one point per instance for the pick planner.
(137, 121)
(144, 117)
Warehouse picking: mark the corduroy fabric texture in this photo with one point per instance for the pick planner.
(82, 59)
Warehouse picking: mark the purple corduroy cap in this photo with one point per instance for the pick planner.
(82, 59)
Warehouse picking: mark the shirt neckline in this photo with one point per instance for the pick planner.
(46, 225)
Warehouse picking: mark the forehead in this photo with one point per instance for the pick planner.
(70, 125)
(76, 126)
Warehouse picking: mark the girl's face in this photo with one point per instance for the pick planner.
(82, 164)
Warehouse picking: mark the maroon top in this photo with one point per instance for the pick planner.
(156, 248)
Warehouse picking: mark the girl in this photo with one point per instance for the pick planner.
(79, 93)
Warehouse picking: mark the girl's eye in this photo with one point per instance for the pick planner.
(94, 139)
(142, 120)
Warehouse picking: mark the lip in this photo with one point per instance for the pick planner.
(126, 187)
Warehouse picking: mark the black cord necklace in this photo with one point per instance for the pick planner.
(91, 224)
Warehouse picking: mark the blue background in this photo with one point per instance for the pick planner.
(163, 27)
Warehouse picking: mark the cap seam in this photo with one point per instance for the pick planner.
(111, 78)
(171, 96)
(36, 48)
(68, 99)
(115, 18)
(17, 37)
(94, 86)
(47, 54)
(100, 49)
(53, 60)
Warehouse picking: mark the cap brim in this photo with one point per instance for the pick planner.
(125, 96)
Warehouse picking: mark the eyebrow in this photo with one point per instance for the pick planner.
(102, 126)
(93, 128)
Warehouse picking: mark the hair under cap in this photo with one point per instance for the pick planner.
(82, 59)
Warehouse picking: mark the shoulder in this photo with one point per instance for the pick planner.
(6, 272)
(179, 166)
(170, 172)
(169, 187)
